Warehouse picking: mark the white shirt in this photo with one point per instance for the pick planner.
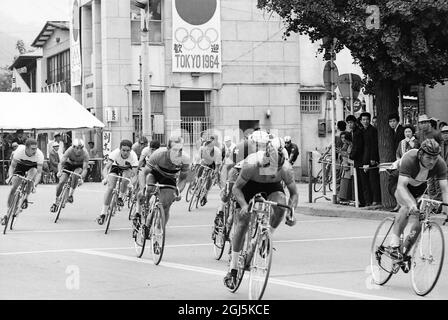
(21, 156)
(50, 146)
(115, 157)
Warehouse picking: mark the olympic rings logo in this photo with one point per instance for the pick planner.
(196, 38)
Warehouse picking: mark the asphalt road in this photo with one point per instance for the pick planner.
(319, 258)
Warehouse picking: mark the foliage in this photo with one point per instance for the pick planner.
(5, 79)
(20, 46)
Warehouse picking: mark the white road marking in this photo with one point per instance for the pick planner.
(296, 285)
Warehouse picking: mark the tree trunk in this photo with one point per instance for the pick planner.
(386, 95)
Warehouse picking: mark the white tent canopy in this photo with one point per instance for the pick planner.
(44, 111)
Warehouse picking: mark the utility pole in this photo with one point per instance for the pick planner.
(146, 89)
(333, 132)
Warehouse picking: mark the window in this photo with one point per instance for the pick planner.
(194, 103)
(156, 102)
(58, 67)
(310, 102)
(154, 20)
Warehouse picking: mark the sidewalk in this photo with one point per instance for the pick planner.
(324, 208)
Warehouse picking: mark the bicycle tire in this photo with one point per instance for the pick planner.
(132, 208)
(199, 195)
(111, 211)
(61, 203)
(190, 189)
(193, 196)
(257, 284)
(418, 256)
(381, 272)
(317, 185)
(11, 212)
(219, 243)
(140, 236)
(13, 216)
(158, 221)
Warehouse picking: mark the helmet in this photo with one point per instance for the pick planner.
(259, 137)
(431, 147)
(78, 143)
(287, 139)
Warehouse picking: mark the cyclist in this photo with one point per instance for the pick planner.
(122, 162)
(27, 162)
(409, 182)
(167, 165)
(139, 146)
(292, 149)
(143, 170)
(211, 156)
(75, 159)
(262, 171)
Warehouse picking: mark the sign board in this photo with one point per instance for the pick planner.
(107, 142)
(88, 91)
(344, 85)
(75, 45)
(328, 71)
(196, 35)
(111, 114)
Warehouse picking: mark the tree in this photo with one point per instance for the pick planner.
(5, 79)
(409, 47)
(20, 46)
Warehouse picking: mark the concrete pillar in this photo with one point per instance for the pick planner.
(116, 65)
(96, 60)
(86, 45)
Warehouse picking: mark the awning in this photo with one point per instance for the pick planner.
(44, 111)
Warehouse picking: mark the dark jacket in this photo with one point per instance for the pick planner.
(358, 145)
(370, 151)
(398, 136)
(293, 152)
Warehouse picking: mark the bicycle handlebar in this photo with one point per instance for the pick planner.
(71, 172)
(259, 198)
(158, 185)
(120, 177)
(21, 177)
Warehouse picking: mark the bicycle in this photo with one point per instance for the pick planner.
(200, 189)
(424, 251)
(192, 184)
(153, 227)
(113, 203)
(222, 231)
(19, 197)
(63, 196)
(256, 256)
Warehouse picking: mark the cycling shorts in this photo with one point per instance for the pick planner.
(22, 169)
(416, 191)
(252, 188)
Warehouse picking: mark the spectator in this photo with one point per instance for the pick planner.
(140, 145)
(19, 137)
(356, 153)
(444, 130)
(345, 190)
(375, 122)
(93, 152)
(57, 139)
(370, 159)
(14, 147)
(54, 160)
(409, 142)
(442, 124)
(398, 131)
(341, 127)
(293, 150)
(426, 130)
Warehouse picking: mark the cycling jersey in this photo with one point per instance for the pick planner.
(410, 166)
(123, 164)
(160, 161)
(25, 162)
(138, 149)
(76, 160)
(211, 156)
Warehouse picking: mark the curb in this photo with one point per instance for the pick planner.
(341, 211)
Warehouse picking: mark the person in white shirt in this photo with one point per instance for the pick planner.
(56, 140)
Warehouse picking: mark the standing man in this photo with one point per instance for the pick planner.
(54, 160)
(371, 158)
(293, 150)
(444, 131)
(398, 130)
(356, 154)
(426, 130)
(57, 139)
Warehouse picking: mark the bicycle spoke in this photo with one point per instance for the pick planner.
(260, 266)
(381, 263)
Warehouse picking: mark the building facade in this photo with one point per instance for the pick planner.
(130, 80)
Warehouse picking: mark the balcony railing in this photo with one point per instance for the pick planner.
(58, 87)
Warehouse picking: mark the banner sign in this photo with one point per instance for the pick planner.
(75, 46)
(107, 142)
(196, 36)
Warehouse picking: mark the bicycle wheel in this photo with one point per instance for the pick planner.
(381, 264)
(11, 212)
(190, 191)
(158, 234)
(260, 266)
(317, 185)
(62, 199)
(219, 242)
(140, 240)
(330, 179)
(111, 211)
(193, 196)
(427, 259)
(132, 208)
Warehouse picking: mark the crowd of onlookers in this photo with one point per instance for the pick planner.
(55, 150)
(357, 149)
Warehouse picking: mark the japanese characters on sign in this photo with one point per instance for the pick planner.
(196, 36)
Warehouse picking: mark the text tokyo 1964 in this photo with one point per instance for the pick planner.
(205, 61)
